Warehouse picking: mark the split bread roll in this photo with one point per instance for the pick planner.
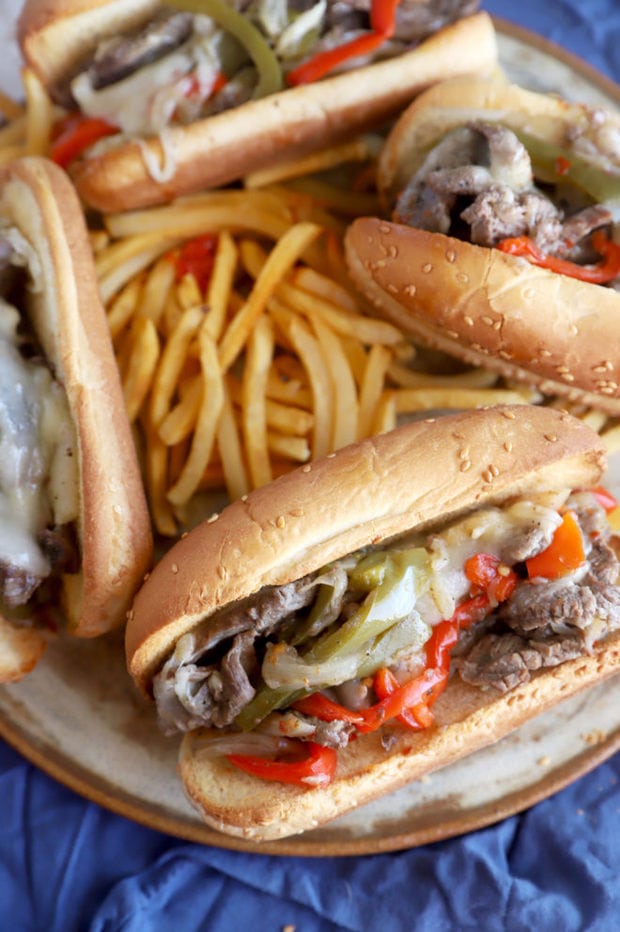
(453, 267)
(421, 478)
(221, 148)
(76, 532)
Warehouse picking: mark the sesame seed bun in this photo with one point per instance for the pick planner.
(64, 310)
(478, 303)
(416, 477)
(224, 147)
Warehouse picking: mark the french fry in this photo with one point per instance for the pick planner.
(292, 448)
(386, 418)
(377, 363)
(253, 401)
(179, 423)
(123, 307)
(366, 329)
(311, 358)
(230, 450)
(359, 149)
(171, 364)
(405, 377)
(39, 114)
(140, 365)
(117, 264)
(285, 253)
(206, 425)
(220, 288)
(411, 400)
(156, 463)
(158, 281)
(344, 392)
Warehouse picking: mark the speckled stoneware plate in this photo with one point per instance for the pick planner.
(78, 717)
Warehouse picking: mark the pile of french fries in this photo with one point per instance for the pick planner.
(275, 363)
(273, 360)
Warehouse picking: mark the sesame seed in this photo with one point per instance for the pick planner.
(244, 497)
(487, 320)
(508, 445)
(568, 377)
(545, 352)
(280, 521)
(487, 475)
(427, 267)
(410, 290)
(222, 572)
(212, 517)
(393, 251)
(509, 415)
(146, 576)
(552, 438)
(391, 288)
(184, 535)
(174, 568)
(306, 468)
(493, 470)
(385, 229)
(562, 370)
(468, 320)
(429, 420)
(465, 465)
(130, 614)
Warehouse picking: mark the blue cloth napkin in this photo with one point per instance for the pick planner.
(68, 865)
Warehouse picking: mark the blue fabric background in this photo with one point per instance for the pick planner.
(66, 864)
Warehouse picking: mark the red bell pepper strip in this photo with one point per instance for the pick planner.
(324, 62)
(605, 499)
(605, 271)
(564, 554)
(196, 257)
(321, 707)
(385, 684)
(317, 769)
(486, 572)
(75, 133)
(383, 17)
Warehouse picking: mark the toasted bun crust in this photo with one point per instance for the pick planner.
(55, 36)
(476, 303)
(467, 719)
(492, 309)
(417, 475)
(69, 320)
(454, 102)
(222, 148)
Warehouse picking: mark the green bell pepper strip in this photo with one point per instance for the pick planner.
(560, 164)
(270, 79)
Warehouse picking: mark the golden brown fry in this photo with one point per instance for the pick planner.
(158, 282)
(292, 448)
(171, 364)
(140, 366)
(405, 377)
(410, 400)
(220, 290)
(344, 392)
(180, 420)
(156, 463)
(123, 307)
(385, 416)
(377, 363)
(311, 357)
(206, 424)
(285, 253)
(117, 264)
(230, 450)
(39, 114)
(360, 149)
(253, 401)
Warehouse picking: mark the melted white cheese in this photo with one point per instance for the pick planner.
(38, 469)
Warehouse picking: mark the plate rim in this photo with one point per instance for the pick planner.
(97, 790)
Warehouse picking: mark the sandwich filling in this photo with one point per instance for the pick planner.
(201, 57)
(555, 205)
(38, 454)
(373, 638)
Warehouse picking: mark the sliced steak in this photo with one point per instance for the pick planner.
(117, 58)
(505, 661)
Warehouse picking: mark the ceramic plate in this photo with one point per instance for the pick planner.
(79, 719)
